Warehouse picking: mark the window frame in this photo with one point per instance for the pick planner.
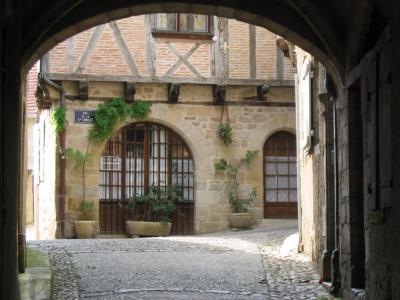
(178, 34)
(275, 144)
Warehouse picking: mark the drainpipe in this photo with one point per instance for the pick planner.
(61, 193)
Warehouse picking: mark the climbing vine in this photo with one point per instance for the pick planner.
(58, 117)
(239, 204)
(110, 113)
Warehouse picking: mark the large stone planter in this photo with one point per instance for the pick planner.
(148, 228)
(85, 229)
(240, 220)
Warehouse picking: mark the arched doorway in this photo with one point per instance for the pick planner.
(280, 176)
(138, 156)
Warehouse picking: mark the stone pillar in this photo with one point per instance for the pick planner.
(326, 184)
(10, 142)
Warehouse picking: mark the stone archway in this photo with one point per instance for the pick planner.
(46, 23)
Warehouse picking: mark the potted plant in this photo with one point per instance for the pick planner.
(157, 207)
(85, 227)
(224, 130)
(225, 133)
(240, 203)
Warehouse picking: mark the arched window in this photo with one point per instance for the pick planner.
(139, 156)
(280, 176)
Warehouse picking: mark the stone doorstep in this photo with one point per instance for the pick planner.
(111, 236)
(36, 283)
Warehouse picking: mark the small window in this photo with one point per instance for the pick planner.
(192, 26)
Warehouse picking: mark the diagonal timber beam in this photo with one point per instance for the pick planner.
(89, 49)
(183, 59)
(126, 53)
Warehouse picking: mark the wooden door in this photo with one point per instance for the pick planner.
(280, 176)
(137, 157)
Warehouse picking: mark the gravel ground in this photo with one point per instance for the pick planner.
(261, 263)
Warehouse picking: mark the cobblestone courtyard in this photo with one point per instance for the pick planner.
(255, 264)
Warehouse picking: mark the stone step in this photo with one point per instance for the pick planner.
(111, 236)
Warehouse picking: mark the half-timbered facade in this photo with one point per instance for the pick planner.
(189, 67)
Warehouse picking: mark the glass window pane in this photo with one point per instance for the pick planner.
(171, 21)
(292, 158)
(283, 196)
(166, 21)
(270, 168)
(161, 21)
(102, 192)
(200, 23)
(292, 169)
(283, 169)
(270, 182)
(283, 182)
(282, 158)
(293, 195)
(293, 182)
(270, 158)
(271, 196)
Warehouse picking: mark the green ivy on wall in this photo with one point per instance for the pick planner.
(110, 113)
(58, 117)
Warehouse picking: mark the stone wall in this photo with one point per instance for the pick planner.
(314, 169)
(45, 178)
(196, 122)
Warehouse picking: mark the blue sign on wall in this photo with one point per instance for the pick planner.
(84, 116)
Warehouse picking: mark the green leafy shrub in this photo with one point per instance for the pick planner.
(160, 202)
(85, 207)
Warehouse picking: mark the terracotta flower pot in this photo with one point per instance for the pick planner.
(148, 228)
(85, 229)
(240, 220)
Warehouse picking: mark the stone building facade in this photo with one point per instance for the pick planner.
(130, 58)
(346, 199)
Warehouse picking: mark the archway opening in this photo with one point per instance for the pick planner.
(135, 159)
(280, 176)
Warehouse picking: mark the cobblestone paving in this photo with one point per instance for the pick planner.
(255, 264)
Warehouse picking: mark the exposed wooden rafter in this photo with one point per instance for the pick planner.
(83, 90)
(262, 92)
(163, 79)
(129, 91)
(173, 92)
(219, 92)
